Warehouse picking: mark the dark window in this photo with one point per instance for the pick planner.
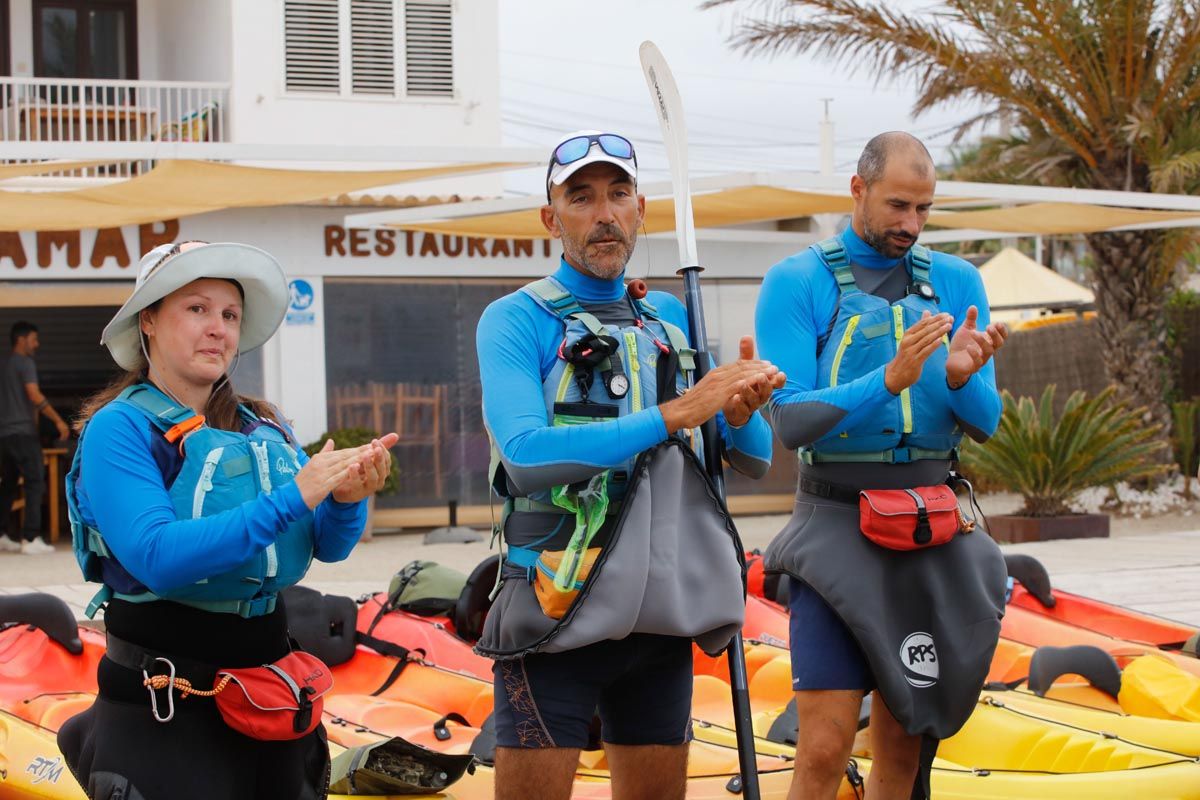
(81, 39)
(400, 355)
(5, 54)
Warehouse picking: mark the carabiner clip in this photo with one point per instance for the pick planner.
(170, 692)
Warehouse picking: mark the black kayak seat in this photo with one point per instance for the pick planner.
(1030, 573)
(1050, 663)
(474, 601)
(324, 625)
(47, 613)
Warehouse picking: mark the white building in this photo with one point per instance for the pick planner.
(382, 329)
(288, 71)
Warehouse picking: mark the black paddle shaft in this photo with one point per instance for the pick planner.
(743, 724)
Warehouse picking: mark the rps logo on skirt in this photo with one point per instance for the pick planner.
(920, 661)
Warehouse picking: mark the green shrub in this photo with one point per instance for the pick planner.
(355, 437)
(1094, 442)
(1185, 440)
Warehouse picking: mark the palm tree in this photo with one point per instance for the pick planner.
(1099, 94)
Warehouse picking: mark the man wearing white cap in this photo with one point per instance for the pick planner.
(592, 407)
(194, 508)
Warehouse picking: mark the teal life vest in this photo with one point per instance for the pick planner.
(916, 424)
(221, 470)
(570, 401)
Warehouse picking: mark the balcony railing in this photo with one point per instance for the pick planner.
(83, 110)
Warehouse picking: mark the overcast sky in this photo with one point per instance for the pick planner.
(571, 64)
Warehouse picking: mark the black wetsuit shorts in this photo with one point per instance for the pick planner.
(640, 686)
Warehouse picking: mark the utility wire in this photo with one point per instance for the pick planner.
(643, 134)
(627, 102)
(841, 87)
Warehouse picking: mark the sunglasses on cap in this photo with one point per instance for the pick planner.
(578, 147)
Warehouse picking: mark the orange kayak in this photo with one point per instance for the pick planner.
(1107, 619)
(42, 685)
(1037, 630)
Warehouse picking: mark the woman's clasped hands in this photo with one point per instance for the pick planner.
(350, 474)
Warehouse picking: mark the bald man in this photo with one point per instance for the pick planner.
(887, 350)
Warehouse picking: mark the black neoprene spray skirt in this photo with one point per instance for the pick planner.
(117, 749)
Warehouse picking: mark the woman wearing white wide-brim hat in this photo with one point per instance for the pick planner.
(194, 508)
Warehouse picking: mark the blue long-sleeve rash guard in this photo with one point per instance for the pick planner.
(798, 301)
(121, 493)
(517, 343)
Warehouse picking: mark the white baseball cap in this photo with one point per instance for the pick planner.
(600, 147)
(167, 268)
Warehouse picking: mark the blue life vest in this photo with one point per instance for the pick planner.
(221, 470)
(639, 348)
(916, 424)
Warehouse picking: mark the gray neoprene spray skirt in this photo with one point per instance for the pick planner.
(673, 565)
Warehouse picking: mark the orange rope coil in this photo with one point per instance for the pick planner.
(185, 686)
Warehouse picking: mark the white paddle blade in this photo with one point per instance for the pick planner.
(668, 105)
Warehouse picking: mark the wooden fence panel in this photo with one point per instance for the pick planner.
(1069, 354)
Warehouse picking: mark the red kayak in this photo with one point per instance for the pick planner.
(431, 638)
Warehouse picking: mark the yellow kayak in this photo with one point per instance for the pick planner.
(1156, 706)
(1010, 751)
(32, 768)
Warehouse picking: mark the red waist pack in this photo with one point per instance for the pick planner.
(911, 519)
(276, 701)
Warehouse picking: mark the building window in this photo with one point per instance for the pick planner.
(80, 39)
(428, 51)
(378, 61)
(400, 356)
(373, 47)
(311, 46)
(5, 58)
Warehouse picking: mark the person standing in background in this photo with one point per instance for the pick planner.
(21, 402)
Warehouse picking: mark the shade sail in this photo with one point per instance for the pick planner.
(737, 206)
(748, 204)
(180, 188)
(1054, 218)
(44, 168)
(1012, 278)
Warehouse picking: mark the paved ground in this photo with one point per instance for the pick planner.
(1157, 572)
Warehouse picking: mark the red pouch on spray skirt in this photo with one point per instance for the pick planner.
(276, 701)
(911, 519)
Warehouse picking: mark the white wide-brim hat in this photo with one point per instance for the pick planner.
(264, 287)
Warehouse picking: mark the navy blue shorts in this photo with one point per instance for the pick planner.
(641, 686)
(825, 654)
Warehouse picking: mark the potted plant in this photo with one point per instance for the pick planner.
(355, 437)
(1049, 458)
